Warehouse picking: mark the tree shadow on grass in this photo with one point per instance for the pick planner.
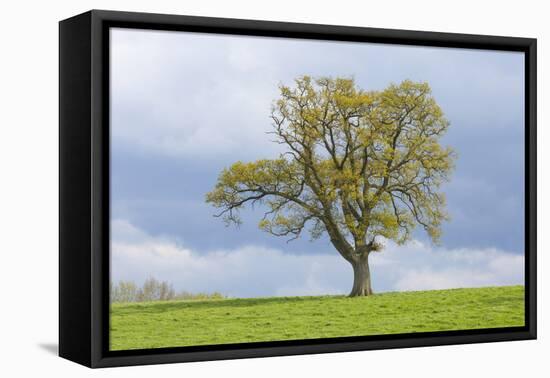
(156, 307)
(491, 297)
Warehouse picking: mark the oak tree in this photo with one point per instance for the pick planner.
(361, 166)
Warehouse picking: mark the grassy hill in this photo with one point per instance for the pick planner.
(183, 323)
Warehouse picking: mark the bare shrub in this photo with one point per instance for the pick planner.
(154, 290)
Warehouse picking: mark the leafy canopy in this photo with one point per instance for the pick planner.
(358, 165)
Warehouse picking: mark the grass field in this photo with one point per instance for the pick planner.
(184, 323)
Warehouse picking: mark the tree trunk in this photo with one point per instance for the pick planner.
(361, 277)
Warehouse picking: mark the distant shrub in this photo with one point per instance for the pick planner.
(124, 291)
(184, 295)
(154, 290)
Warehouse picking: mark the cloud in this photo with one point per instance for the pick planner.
(255, 270)
(187, 94)
(419, 266)
(193, 94)
(244, 272)
(186, 105)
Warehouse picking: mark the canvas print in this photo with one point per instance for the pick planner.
(270, 189)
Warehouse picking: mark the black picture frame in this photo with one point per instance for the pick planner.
(84, 187)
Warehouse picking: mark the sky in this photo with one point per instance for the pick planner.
(186, 105)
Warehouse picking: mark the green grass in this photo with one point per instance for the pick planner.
(184, 323)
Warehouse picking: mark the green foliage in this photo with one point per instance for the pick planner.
(185, 323)
(358, 165)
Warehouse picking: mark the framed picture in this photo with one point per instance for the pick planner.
(235, 188)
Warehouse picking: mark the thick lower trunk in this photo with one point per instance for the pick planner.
(361, 278)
